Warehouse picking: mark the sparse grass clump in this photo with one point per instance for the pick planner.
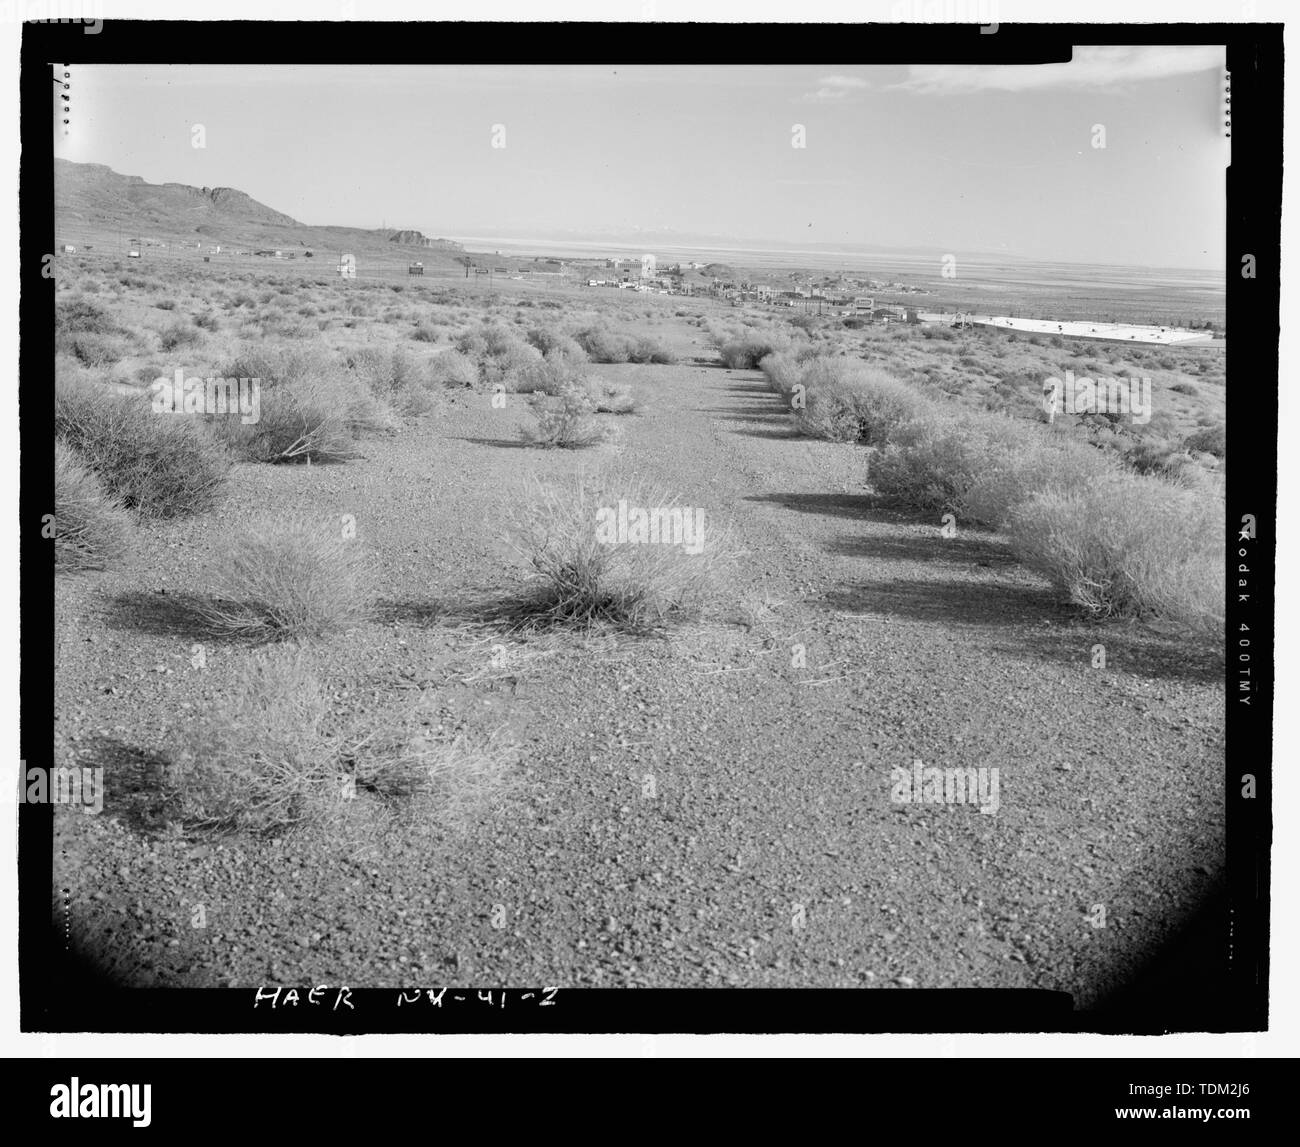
(162, 465)
(91, 528)
(95, 351)
(453, 369)
(1210, 440)
(566, 421)
(264, 762)
(1129, 546)
(278, 580)
(81, 316)
(609, 399)
(179, 335)
(396, 379)
(310, 409)
(586, 576)
(256, 762)
(399, 759)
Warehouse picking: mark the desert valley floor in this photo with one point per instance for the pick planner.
(702, 808)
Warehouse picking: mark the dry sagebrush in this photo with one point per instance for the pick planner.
(276, 580)
(161, 465)
(91, 528)
(1130, 546)
(582, 581)
(262, 762)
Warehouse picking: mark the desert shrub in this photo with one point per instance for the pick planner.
(97, 351)
(453, 369)
(178, 335)
(425, 333)
(1018, 475)
(285, 579)
(552, 342)
(208, 321)
(166, 304)
(603, 345)
(91, 527)
(584, 575)
(1129, 546)
(395, 379)
(567, 421)
(264, 762)
(256, 762)
(944, 334)
(606, 398)
(471, 344)
(782, 373)
(934, 462)
(846, 401)
(396, 757)
(309, 407)
(1149, 455)
(648, 350)
(1210, 440)
(1184, 388)
(501, 354)
(81, 316)
(161, 465)
(551, 375)
(747, 353)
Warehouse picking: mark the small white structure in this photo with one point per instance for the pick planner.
(68, 249)
(647, 266)
(347, 266)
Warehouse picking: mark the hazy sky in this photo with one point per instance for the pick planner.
(984, 159)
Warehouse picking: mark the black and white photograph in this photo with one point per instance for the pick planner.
(542, 521)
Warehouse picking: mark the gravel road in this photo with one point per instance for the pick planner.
(705, 809)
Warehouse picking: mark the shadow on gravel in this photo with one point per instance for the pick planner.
(160, 613)
(965, 549)
(956, 602)
(784, 435)
(133, 782)
(504, 443)
(1130, 650)
(409, 612)
(855, 506)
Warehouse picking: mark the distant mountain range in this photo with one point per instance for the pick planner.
(90, 198)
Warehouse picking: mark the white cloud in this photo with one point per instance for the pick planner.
(1091, 67)
(833, 89)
